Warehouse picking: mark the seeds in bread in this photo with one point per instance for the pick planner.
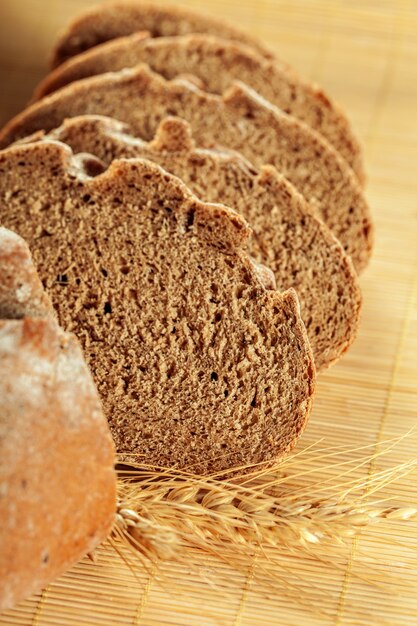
(239, 119)
(57, 479)
(103, 22)
(21, 291)
(287, 236)
(197, 363)
(216, 63)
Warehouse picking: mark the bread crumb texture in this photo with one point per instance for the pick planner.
(198, 364)
(216, 63)
(288, 236)
(239, 119)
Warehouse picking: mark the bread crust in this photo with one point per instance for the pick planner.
(216, 63)
(56, 458)
(287, 235)
(240, 119)
(114, 19)
(167, 304)
(21, 291)
(57, 478)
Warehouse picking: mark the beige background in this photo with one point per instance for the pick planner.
(365, 53)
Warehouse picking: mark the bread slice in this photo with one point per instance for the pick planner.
(239, 119)
(115, 19)
(287, 236)
(198, 364)
(216, 63)
(57, 478)
(21, 291)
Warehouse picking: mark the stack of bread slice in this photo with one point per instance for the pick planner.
(196, 218)
(195, 212)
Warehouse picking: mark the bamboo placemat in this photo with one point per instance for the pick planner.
(365, 53)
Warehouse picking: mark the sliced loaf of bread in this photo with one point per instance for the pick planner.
(115, 19)
(240, 119)
(216, 63)
(287, 236)
(57, 479)
(198, 364)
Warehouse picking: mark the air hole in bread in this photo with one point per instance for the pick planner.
(190, 219)
(171, 371)
(93, 167)
(62, 279)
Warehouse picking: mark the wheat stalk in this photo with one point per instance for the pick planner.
(166, 515)
(163, 513)
(163, 509)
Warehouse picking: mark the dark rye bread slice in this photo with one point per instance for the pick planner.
(21, 291)
(198, 364)
(287, 236)
(57, 478)
(239, 119)
(216, 63)
(115, 19)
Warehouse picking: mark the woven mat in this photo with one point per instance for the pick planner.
(365, 53)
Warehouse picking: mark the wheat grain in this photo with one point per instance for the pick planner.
(231, 513)
(269, 512)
